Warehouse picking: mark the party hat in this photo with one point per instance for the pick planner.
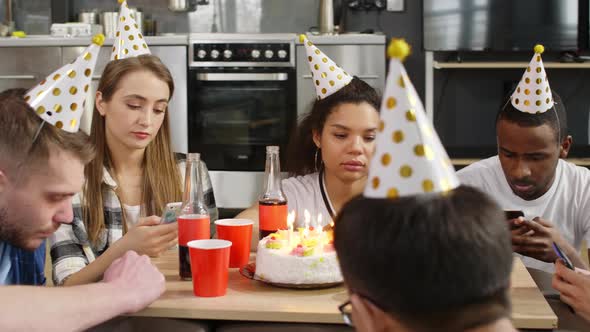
(59, 98)
(129, 41)
(409, 158)
(533, 94)
(327, 76)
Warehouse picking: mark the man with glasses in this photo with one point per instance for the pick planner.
(418, 251)
(425, 263)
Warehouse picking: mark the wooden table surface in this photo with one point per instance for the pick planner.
(251, 300)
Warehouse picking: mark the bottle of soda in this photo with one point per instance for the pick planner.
(272, 206)
(193, 221)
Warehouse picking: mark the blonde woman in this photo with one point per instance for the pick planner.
(132, 178)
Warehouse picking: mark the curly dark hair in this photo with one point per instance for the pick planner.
(302, 149)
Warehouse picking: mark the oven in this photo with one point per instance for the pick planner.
(241, 98)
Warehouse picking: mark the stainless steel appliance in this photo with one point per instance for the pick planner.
(90, 17)
(109, 22)
(242, 97)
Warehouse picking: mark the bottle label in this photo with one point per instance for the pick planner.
(272, 217)
(193, 227)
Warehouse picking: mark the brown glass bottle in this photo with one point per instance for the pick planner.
(272, 205)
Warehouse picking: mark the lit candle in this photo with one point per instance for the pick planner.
(307, 220)
(320, 233)
(290, 221)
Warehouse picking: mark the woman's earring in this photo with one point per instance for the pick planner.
(315, 159)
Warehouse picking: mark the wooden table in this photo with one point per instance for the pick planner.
(250, 300)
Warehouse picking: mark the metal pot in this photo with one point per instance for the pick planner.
(109, 21)
(90, 17)
(182, 5)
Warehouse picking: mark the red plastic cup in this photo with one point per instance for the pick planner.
(239, 232)
(209, 266)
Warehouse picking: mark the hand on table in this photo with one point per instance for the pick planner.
(149, 237)
(137, 278)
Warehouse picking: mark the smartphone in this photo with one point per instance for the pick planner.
(566, 260)
(170, 212)
(513, 214)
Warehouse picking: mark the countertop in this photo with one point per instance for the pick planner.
(183, 39)
(47, 40)
(347, 38)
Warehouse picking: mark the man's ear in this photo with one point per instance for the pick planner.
(565, 147)
(367, 317)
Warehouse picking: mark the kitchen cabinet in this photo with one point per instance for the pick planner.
(23, 67)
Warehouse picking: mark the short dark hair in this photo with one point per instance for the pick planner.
(302, 149)
(556, 117)
(19, 125)
(433, 261)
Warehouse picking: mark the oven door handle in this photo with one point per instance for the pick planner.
(362, 77)
(242, 76)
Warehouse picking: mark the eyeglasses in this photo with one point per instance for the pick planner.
(346, 311)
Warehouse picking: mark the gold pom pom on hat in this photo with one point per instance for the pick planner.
(399, 49)
(98, 39)
(539, 49)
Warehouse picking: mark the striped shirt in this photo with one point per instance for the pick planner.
(70, 249)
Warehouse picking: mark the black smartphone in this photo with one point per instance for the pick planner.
(513, 214)
(566, 260)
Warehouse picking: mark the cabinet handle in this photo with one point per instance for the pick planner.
(17, 77)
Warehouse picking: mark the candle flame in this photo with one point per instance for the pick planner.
(319, 220)
(291, 218)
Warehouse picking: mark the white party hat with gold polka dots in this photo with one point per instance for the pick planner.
(59, 98)
(325, 73)
(409, 158)
(129, 41)
(533, 94)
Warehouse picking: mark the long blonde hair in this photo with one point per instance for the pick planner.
(161, 177)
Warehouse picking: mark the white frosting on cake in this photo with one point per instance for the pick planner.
(283, 266)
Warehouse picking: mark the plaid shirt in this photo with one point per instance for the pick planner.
(70, 249)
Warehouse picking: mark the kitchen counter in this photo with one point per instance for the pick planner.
(347, 38)
(182, 39)
(47, 40)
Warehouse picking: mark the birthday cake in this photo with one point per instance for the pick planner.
(304, 257)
